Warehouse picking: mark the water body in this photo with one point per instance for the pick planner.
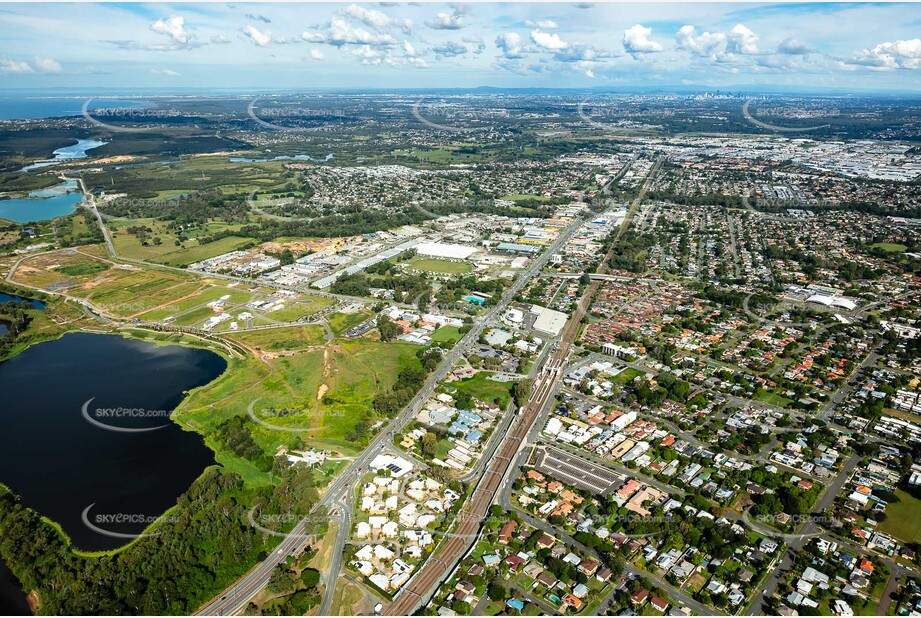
(67, 153)
(57, 201)
(8, 298)
(12, 598)
(328, 157)
(60, 463)
(21, 106)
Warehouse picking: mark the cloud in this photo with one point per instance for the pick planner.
(582, 53)
(450, 49)
(258, 17)
(510, 44)
(367, 55)
(793, 47)
(38, 65)
(169, 72)
(313, 37)
(545, 24)
(316, 54)
(449, 21)
(476, 44)
(548, 40)
(342, 32)
(376, 19)
(47, 65)
(220, 39)
(709, 44)
(15, 66)
(742, 40)
(637, 41)
(890, 55)
(589, 73)
(173, 27)
(258, 37)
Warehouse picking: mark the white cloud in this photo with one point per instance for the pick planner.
(260, 38)
(742, 40)
(589, 73)
(173, 27)
(710, 44)
(220, 39)
(342, 32)
(15, 66)
(47, 65)
(376, 19)
(637, 41)
(367, 55)
(38, 65)
(449, 21)
(510, 44)
(548, 40)
(902, 54)
(259, 17)
(450, 49)
(793, 47)
(316, 54)
(313, 37)
(544, 24)
(164, 72)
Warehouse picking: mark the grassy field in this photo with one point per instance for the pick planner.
(891, 247)
(341, 322)
(199, 294)
(293, 311)
(519, 197)
(353, 373)
(490, 391)
(772, 398)
(446, 334)
(439, 266)
(130, 246)
(288, 338)
(903, 518)
(627, 375)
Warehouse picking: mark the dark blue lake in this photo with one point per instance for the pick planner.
(7, 298)
(95, 479)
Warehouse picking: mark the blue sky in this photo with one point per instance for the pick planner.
(411, 45)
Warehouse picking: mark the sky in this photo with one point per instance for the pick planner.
(120, 46)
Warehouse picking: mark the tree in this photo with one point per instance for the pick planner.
(429, 444)
(496, 592)
(521, 391)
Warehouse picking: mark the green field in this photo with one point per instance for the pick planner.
(891, 247)
(447, 334)
(341, 322)
(439, 266)
(520, 197)
(77, 270)
(207, 295)
(286, 338)
(489, 391)
(627, 375)
(353, 372)
(772, 398)
(903, 518)
(293, 311)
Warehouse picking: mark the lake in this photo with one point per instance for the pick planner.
(17, 106)
(328, 157)
(12, 598)
(67, 153)
(8, 298)
(98, 483)
(57, 201)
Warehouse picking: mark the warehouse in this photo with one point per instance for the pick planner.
(445, 251)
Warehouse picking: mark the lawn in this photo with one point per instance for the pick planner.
(293, 311)
(354, 372)
(520, 197)
(772, 398)
(439, 266)
(341, 322)
(446, 334)
(77, 270)
(489, 391)
(627, 375)
(903, 518)
(287, 338)
(891, 247)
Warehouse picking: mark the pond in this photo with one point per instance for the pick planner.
(57, 201)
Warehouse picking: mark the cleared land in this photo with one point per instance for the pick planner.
(903, 518)
(436, 265)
